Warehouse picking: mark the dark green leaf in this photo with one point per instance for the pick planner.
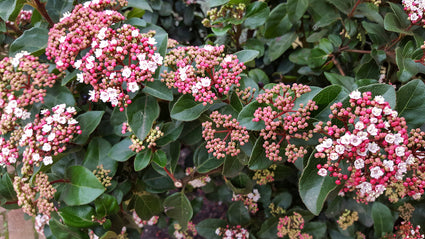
(296, 9)
(61, 231)
(238, 214)
(208, 227)
(204, 161)
(88, 123)
(278, 22)
(186, 109)
(159, 90)
(246, 55)
(268, 228)
(147, 206)
(256, 14)
(386, 91)
(232, 166)
(393, 24)
(300, 56)
(313, 188)
(33, 40)
(160, 158)
(411, 103)
(317, 58)
(382, 219)
(142, 159)
(216, 3)
(141, 115)
(121, 152)
(241, 184)
(344, 81)
(84, 186)
(97, 154)
(58, 95)
(246, 116)
(77, 216)
(317, 229)
(6, 188)
(325, 98)
(280, 45)
(258, 159)
(178, 207)
(106, 205)
(141, 4)
(8, 7)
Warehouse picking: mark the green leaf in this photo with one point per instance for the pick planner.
(106, 205)
(300, 56)
(158, 89)
(246, 55)
(343, 5)
(232, 166)
(268, 228)
(238, 214)
(160, 158)
(6, 188)
(325, 98)
(382, 219)
(58, 95)
(97, 154)
(147, 206)
(61, 231)
(313, 188)
(178, 207)
(386, 91)
(186, 109)
(278, 22)
(172, 131)
(88, 123)
(256, 14)
(204, 161)
(155, 182)
(121, 152)
(216, 3)
(392, 23)
(207, 227)
(408, 67)
(142, 159)
(56, 8)
(296, 9)
(8, 7)
(376, 32)
(140, 4)
(246, 116)
(317, 229)
(141, 115)
(280, 45)
(411, 103)
(241, 184)
(258, 159)
(317, 58)
(84, 186)
(33, 40)
(69, 77)
(344, 81)
(77, 216)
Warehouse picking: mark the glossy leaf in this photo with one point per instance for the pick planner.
(160, 158)
(159, 90)
(256, 14)
(61, 231)
(411, 103)
(8, 8)
(246, 116)
(77, 216)
(313, 188)
(325, 98)
(172, 131)
(278, 22)
(344, 81)
(232, 166)
(33, 40)
(97, 154)
(280, 45)
(205, 161)
(141, 114)
(58, 95)
(142, 159)
(258, 159)
(147, 206)
(88, 123)
(106, 205)
(317, 58)
(121, 152)
(178, 207)
(241, 184)
(186, 109)
(140, 4)
(208, 227)
(6, 188)
(238, 214)
(296, 9)
(246, 55)
(84, 187)
(382, 219)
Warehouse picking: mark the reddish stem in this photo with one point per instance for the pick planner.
(60, 181)
(12, 202)
(41, 7)
(354, 8)
(177, 183)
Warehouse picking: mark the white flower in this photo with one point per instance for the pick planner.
(399, 151)
(379, 99)
(372, 130)
(327, 143)
(359, 125)
(228, 59)
(28, 132)
(388, 165)
(333, 156)
(70, 109)
(114, 102)
(143, 65)
(98, 53)
(355, 95)
(59, 109)
(135, 33)
(101, 35)
(416, 196)
(80, 77)
(126, 72)
(410, 160)
(142, 56)
(376, 172)
(90, 65)
(394, 114)
(132, 86)
(398, 139)
(373, 147)
(112, 75)
(376, 111)
(361, 153)
(205, 81)
(51, 136)
(103, 44)
(72, 121)
(26, 115)
(92, 95)
(12, 159)
(104, 96)
(389, 138)
(152, 66)
(46, 128)
(59, 63)
(151, 41)
(77, 64)
(322, 172)
(217, 231)
(46, 147)
(355, 141)
(18, 112)
(49, 120)
(5, 151)
(346, 139)
(359, 163)
(157, 58)
(387, 111)
(402, 167)
(47, 160)
(208, 47)
(320, 148)
(65, 15)
(119, 49)
(340, 149)
(62, 39)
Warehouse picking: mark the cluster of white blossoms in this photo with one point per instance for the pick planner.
(235, 232)
(415, 9)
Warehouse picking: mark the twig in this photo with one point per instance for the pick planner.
(354, 8)
(338, 66)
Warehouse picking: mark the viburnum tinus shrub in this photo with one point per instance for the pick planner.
(214, 119)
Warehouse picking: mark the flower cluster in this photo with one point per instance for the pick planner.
(118, 59)
(138, 144)
(347, 219)
(284, 120)
(199, 181)
(265, 176)
(39, 223)
(291, 226)
(249, 200)
(23, 18)
(102, 175)
(204, 72)
(372, 141)
(189, 233)
(141, 223)
(229, 129)
(76, 30)
(23, 82)
(415, 9)
(216, 17)
(234, 232)
(35, 199)
(407, 230)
